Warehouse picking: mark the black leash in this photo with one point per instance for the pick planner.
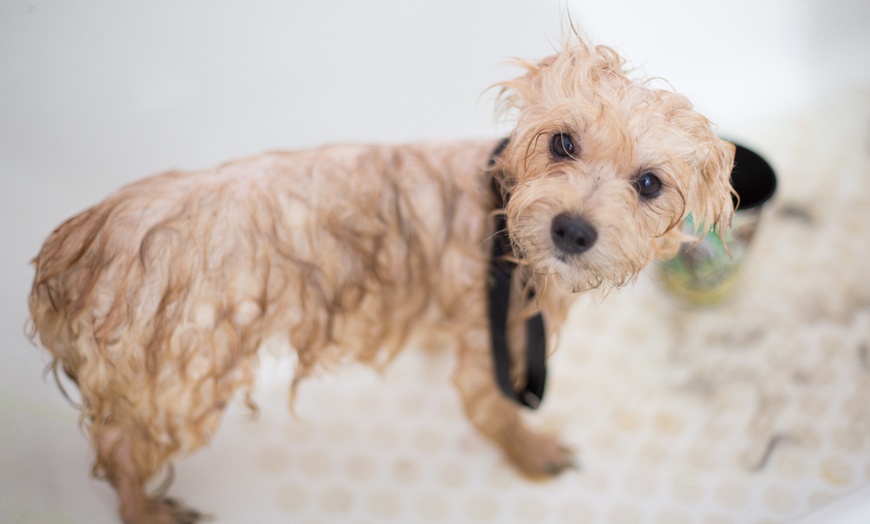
(501, 271)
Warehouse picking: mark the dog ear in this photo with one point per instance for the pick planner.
(711, 202)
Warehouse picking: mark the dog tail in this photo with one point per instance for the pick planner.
(62, 285)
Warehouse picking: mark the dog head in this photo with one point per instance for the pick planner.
(603, 170)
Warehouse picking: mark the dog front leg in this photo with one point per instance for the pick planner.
(536, 455)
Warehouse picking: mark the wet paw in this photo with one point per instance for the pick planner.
(542, 456)
(172, 511)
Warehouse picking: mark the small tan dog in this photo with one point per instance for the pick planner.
(156, 300)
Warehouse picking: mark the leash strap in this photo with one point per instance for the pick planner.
(501, 271)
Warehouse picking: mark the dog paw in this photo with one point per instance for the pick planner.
(169, 511)
(542, 456)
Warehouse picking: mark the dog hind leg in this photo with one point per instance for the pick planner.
(116, 451)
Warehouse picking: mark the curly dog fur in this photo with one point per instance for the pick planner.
(156, 300)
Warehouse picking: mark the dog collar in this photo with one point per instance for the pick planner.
(501, 271)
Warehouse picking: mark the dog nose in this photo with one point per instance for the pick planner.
(572, 234)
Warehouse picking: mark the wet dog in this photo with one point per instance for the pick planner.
(156, 300)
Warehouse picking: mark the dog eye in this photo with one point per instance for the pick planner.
(562, 146)
(648, 185)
